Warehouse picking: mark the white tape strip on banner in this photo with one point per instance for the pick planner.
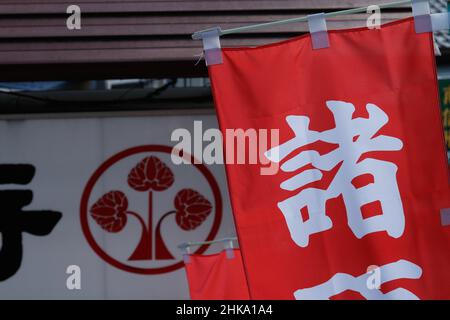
(422, 18)
(318, 29)
(211, 47)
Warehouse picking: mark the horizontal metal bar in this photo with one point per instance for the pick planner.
(199, 34)
(192, 244)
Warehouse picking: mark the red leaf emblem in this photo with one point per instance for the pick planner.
(150, 174)
(191, 209)
(110, 211)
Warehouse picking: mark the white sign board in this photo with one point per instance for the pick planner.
(124, 207)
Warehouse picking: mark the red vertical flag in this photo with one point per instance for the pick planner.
(358, 207)
(217, 277)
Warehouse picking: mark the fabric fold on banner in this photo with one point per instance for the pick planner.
(217, 276)
(354, 209)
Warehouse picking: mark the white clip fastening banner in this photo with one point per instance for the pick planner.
(187, 255)
(440, 21)
(422, 17)
(229, 249)
(319, 32)
(445, 217)
(211, 47)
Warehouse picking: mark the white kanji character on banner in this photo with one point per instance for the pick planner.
(342, 282)
(354, 138)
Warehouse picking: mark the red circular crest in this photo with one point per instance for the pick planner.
(149, 176)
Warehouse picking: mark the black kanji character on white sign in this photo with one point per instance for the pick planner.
(14, 221)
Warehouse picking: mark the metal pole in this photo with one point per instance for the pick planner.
(199, 34)
(191, 244)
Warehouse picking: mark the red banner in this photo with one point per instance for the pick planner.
(217, 276)
(355, 208)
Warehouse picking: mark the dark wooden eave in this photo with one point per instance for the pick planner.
(143, 39)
